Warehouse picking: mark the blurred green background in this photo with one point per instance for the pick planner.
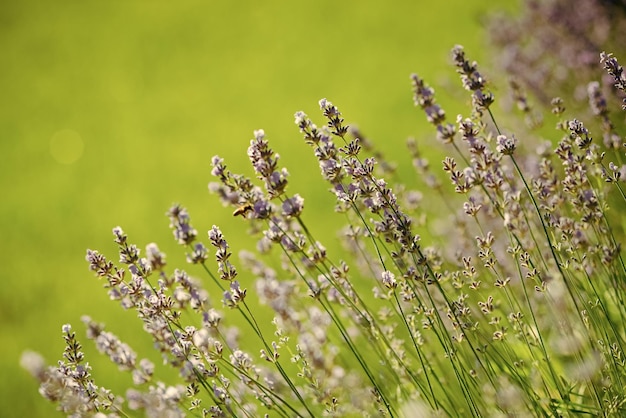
(110, 111)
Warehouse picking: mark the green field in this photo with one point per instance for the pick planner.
(111, 111)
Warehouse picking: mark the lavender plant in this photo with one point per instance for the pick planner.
(553, 47)
(520, 313)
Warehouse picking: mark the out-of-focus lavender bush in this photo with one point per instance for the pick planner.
(519, 313)
(552, 46)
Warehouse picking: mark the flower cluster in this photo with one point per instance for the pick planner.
(472, 80)
(70, 383)
(513, 307)
(424, 97)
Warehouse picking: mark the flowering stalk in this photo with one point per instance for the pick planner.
(265, 164)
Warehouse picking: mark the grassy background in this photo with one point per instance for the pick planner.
(110, 111)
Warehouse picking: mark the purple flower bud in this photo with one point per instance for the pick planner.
(506, 145)
(293, 206)
(389, 279)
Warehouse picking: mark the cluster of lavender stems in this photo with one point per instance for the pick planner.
(518, 313)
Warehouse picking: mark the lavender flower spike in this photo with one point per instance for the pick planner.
(293, 206)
